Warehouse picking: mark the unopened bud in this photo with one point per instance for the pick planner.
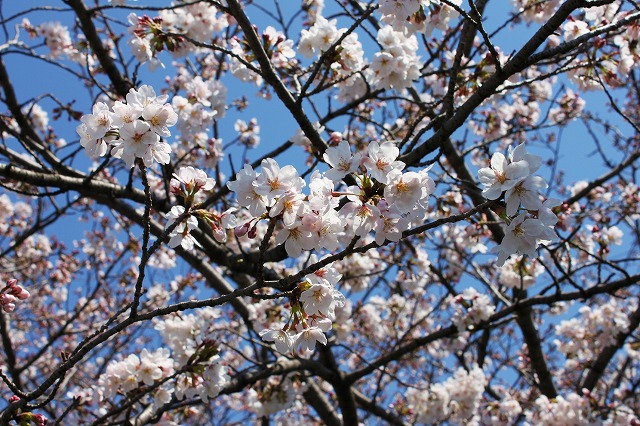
(176, 186)
(39, 419)
(23, 294)
(241, 230)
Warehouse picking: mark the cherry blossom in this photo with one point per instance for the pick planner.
(11, 293)
(282, 340)
(381, 161)
(180, 236)
(305, 341)
(274, 181)
(433, 225)
(246, 193)
(502, 175)
(341, 160)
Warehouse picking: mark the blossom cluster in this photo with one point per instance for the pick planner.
(470, 308)
(614, 63)
(384, 201)
(146, 39)
(520, 273)
(501, 412)
(190, 184)
(514, 177)
(167, 31)
(56, 37)
(277, 46)
(275, 396)
(131, 372)
(418, 15)
(133, 129)
(456, 400)
(312, 314)
(318, 39)
(574, 409)
(189, 366)
(60, 44)
(581, 338)
(195, 352)
(203, 102)
(397, 65)
(536, 12)
(248, 133)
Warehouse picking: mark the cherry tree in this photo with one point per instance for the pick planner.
(320, 212)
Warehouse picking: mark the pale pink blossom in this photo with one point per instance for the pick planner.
(525, 194)
(282, 340)
(341, 160)
(502, 175)
(99, 122)
(307, 338)
(274, 181)
(381, 162)
(180, 236)
(317, 299)
(160, 117)
(246, 193)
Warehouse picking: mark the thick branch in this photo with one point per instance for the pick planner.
(7, 345)
(314, 396)
(524, 318)
(370, 406)
(85, 18)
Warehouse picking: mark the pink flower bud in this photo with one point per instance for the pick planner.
(241, 230)
(336, 137)
(13, 399)
(7, 298)
(23, 294)
(176, 186)
(218, 233)
(39, 419)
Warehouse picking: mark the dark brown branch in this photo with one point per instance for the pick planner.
(314, 396)
(375, 409)
(85, 18)
(7, 345)
(524, 318)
